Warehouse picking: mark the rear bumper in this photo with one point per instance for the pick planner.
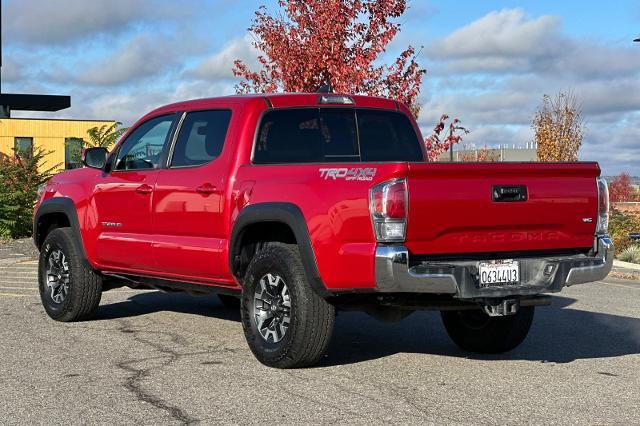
(395, 273)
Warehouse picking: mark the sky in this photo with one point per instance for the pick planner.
(489, 62)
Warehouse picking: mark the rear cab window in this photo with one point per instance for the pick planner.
(334, 134)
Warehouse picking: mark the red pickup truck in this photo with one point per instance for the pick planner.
(293, 206)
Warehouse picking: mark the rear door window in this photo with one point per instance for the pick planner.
(201, 138)
(310, 135)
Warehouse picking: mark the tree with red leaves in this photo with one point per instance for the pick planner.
(336, 42)
(620, 189)
(437, 145)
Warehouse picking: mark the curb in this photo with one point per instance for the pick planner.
(626, 265)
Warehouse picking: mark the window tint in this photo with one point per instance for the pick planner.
(143, 148)
(338, 128)
(23, 148)
(387, 136)
(330, 135)
(73, 153)
(201, 138)
(289, 136)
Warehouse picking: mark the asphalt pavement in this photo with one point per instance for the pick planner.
(152, 357)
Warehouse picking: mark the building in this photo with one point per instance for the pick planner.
(528, 152)
(62, 138)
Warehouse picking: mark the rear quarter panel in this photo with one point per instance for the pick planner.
(336, 212)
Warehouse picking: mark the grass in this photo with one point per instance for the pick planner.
(630, 254)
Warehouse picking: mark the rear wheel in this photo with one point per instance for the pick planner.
(286, 324)
(475, 331)
(70, 289)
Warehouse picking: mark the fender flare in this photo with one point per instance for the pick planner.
(290, 215)
(60, 205)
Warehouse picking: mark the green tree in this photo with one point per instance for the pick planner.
(20, 179)
(106, 135)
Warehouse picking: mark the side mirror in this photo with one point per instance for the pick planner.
(96, 158)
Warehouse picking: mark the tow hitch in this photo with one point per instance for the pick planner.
(500, 307)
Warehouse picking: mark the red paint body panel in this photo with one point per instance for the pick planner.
(175, 232)
(451, 209)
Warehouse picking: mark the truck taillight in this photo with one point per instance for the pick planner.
(603, 206)
(388, 206)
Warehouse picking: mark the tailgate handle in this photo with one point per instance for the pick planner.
(509, 193)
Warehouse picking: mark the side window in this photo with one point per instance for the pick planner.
(143, 148)
(201, 138)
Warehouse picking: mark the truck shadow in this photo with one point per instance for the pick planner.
(559, 333)
(149, 302)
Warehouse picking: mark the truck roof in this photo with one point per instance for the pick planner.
(280, 100)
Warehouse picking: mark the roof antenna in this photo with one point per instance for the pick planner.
(325, 88)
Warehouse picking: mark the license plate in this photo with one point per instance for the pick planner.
(497, 273)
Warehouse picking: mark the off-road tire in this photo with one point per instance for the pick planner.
(475, 331)
(311, 317)
(85, 285)
(229, 302)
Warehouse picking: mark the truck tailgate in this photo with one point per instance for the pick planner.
(452, 208)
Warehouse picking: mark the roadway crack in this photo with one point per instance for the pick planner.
(140, 369)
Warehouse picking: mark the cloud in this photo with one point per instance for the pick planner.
(10, 71)
(501, 40)
(143, 56)
(58, 21)
(493, 72)
(129, 106)
(510, 41)
(219, 65)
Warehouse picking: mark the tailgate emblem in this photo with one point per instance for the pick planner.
(587, 219)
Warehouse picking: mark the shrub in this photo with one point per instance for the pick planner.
(620, 226)
(630, 254)
(19, 182)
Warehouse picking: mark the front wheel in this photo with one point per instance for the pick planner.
(286, 324)
(70, 289)
(476, 331)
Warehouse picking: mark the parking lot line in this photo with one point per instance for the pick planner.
(18, 288)
(15, 295)
(622, 285)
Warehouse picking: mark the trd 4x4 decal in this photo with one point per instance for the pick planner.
(355, 173)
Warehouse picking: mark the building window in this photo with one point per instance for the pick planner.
(73, 153)
(23, 148)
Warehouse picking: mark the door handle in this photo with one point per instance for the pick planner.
(206, 189)
(144, 189)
